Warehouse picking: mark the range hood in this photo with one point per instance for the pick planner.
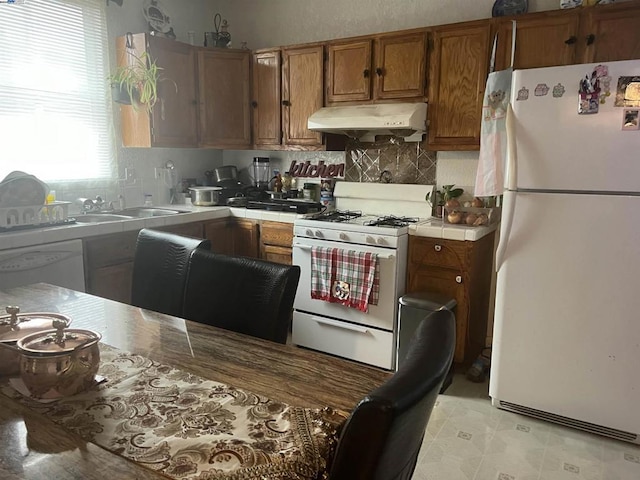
(364, 122)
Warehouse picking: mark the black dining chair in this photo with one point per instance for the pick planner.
(160, 268)
(381, 438)
(242, 294)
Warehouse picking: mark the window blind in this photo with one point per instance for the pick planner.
(54, 106)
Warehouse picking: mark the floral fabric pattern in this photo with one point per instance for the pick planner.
(187, 427)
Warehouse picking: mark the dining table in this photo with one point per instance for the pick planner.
(33, 445)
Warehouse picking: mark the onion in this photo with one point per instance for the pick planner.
(454, 217)
(477, 202)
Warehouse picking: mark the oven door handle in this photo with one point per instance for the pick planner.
(345, 326)
(308, 248)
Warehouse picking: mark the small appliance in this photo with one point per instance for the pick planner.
(261, 172)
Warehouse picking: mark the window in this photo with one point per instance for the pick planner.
(54, 107)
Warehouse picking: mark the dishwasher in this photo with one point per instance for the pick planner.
(57, 263)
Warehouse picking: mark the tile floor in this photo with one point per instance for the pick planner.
(469, 439)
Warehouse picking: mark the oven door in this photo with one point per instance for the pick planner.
(380, 316)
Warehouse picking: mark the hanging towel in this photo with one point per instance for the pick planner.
(493, 131)
(345, 276)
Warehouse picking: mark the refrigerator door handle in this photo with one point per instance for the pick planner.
(508, 209)
(512, 152)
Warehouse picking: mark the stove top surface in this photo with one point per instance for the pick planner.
(356, 217)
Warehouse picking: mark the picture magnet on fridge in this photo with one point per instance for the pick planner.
(631, 119)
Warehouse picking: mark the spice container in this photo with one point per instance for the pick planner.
(311, 192)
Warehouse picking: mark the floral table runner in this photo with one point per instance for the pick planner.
(187, 427)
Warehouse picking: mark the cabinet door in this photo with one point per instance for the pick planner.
(267, 124)
(400, 67)
(174, 119)
(547, 39)
(457, 77)
(112, 282)
(193, 229)
(245, 238)
(276, 254)
(447, 282)
(220, 234)
(349, 71)
(301, 93)
(225, 117)
(609, 33)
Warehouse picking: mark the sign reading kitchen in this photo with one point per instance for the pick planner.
(320, 170)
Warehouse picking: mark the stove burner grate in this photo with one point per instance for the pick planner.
(336, 215)
(391, 221)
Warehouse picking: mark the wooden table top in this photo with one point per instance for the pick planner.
(32, 447)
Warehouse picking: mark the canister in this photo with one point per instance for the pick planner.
(310, 191)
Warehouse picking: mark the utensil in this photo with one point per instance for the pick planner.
(205, 196)
(60, 362)
(228, 172)
(13, 327)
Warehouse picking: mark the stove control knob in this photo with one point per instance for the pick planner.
(381, 241)
(343, 236)
(308, 232)
(319, 234)
(370, 239)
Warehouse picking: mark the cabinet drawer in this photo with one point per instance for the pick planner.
(433, 251)
(355, 342)
(276, 233)
(193, 229)
(110, 249)
(276, 254)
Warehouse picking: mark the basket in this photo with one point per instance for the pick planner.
(34, 215)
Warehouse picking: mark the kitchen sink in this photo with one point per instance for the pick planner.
(101, 218)
(142, 212)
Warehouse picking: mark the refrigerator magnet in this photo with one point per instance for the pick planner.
(628, 92)
(541, 90)
(558, 90)
(588, 103)
(631, 119)
(523, 94)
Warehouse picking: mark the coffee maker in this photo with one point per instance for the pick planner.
(261, 173)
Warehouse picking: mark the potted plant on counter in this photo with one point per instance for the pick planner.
(447, 196)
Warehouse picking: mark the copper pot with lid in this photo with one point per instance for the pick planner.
(14, 326)
(52, 359)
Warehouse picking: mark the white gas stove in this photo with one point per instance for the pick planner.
(382, 230)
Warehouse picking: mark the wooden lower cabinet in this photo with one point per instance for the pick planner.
(219, 233)
(276, 239)
(462, 271)
(108, 260)
(245, 238)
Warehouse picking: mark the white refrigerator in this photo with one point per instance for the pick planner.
(566, 342)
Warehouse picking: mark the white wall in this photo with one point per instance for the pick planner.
(269, 23)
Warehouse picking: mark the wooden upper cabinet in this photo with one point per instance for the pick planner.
(302, 93)
(349, 71)
(267, 124)
(378, 68)
(174, 119)
(610, 32)
(224, 86)
(400, 66)
(544, 39)
(459, 66)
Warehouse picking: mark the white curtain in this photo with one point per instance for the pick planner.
(54, 105)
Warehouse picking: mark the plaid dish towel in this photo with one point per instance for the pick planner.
(345, 276)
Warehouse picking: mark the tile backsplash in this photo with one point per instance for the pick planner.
(390, 160)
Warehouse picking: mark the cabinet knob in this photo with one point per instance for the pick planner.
(365, 74)
(571, 40)
(591, 38)
(254, 104)
(458, 279)
(379, 71)
(437, 248)
(286, 103)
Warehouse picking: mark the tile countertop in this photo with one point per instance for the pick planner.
(436, 228)
(24, 238)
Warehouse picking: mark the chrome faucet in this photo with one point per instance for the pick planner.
(98, 205)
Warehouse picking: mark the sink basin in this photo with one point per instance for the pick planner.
(141, 212)
(101, 218)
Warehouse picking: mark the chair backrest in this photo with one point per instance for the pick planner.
(160, 268)
(242, 294)
(381, 438)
